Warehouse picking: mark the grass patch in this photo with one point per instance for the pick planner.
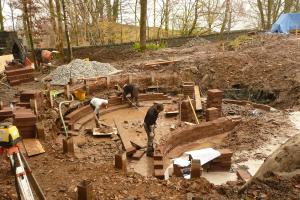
(150, 46)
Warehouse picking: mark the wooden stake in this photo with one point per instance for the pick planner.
(193, 110)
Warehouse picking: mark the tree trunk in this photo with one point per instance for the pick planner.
(108, 9)
(195, 18)
(154, 13)
(167, 18)
(52, 19)
(25, 10)
(226, 16)
(115, 10)
(143, 28)
(269, 16)
(60, 44)
(261, 12)
(1, 17)
(70, 54)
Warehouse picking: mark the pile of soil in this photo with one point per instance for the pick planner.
(254, 131)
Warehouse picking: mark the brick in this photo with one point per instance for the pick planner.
(138, 154)
(158, 164)
(157, 155)
(23, 70)
(20, 76)
(130, 151)
(17, 82)
(244, 175)
(159, 173)
(225, 152)
(215, 93)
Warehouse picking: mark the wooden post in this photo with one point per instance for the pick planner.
(51, 99)
(193, 110)
(196, 169)
(68, 145)
(33, 106)
(1, 105)
(67, 91)
(85, 190)
(107, 81)
(121, 162)
(86, 87)
(130, 78)
(41, 131)
(152, 78)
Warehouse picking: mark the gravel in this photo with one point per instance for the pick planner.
(81, 69)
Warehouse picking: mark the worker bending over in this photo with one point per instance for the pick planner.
(133, 90)
(96, 104)
(150, 125)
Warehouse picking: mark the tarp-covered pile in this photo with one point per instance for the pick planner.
(286, 23)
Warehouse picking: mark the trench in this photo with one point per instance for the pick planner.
(241, 92)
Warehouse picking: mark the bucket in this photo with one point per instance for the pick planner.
(80, 95)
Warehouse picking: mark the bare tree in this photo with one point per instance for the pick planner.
(26, 17)
(143, 22)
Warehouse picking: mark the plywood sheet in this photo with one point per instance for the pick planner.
(197, 98)
(33, 146)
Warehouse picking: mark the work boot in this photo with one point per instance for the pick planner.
(149, 154)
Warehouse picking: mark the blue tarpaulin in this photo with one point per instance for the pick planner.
(286, 22)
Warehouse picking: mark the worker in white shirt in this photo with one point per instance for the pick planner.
(96, 104)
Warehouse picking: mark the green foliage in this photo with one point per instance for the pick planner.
(234, 44)
(150, 46)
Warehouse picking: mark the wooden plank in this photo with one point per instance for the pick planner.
(194, 113)
(161, 62)
(125, 140)
(33, 146)
(197, 98)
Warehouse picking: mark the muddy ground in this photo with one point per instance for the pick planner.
(269, 63)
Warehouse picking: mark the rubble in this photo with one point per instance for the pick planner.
(81, 69)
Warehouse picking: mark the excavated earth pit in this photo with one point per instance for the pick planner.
(129, 120)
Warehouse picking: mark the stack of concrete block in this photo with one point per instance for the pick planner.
(17, 74)
(212, 114)
(158, 168)
(186, 111)
(25, 120)
(5, 113)
(221, 163)
(188, 89)
(214, 99)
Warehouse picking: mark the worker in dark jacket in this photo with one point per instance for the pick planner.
(133, 90)
(150, 124)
